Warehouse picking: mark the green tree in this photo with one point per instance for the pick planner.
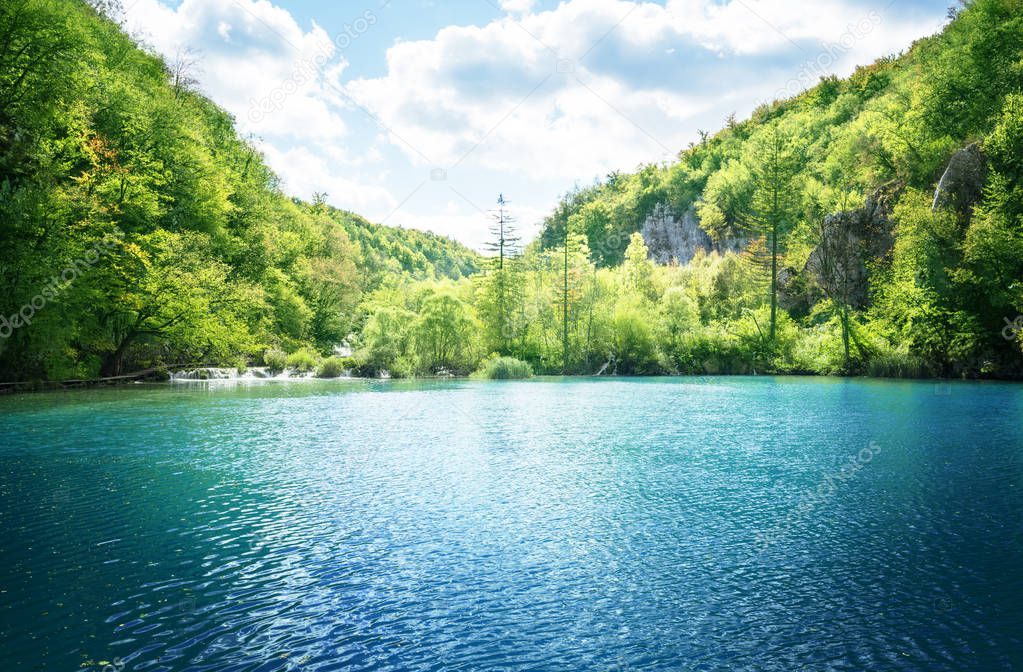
(443, 333)
(639, 270)
(386, 340)
(777, 159)
(502, 285)
(162, 289)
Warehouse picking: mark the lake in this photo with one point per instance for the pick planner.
(552, 524)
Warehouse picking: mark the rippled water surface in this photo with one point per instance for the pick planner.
(663, 524)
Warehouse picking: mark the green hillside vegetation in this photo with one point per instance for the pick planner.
(182, 247)
(844, 267)
(140, 230)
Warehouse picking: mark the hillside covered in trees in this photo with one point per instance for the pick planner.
(870, 225)
(138, 229)
(830, 204)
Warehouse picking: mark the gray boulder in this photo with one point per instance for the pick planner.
(962, 185)
(851, 242)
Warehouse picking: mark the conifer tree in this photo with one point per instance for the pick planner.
(502, 286)
(775, 199)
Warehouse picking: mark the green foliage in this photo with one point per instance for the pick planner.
(304, 360)
(275, 360)
(634, 347)
(209, 263)
(937, 302)
(333, 367)
(897, 364)
(504, 368)
(443, 334)
(500, 292)
(100, 138)
(386, 340)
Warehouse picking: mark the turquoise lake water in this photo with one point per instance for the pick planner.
(657, 524)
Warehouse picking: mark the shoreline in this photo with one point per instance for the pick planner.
(145, 378)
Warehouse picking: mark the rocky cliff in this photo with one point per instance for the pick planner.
(670, 237)
(851, 242)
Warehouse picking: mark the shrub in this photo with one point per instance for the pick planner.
(634, 344)
(403, 367)
(504, 368)
(275, 360)
(332, 367)
(714, 351)
(819, 350)
(303, 360)
(897, 364)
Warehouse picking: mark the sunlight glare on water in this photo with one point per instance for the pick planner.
(660, 524)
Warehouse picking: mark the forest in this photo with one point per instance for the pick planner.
(139, 230)
(869, 226)
(831, 248)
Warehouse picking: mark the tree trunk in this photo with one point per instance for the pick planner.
(845, 333)
(113, 363)
(774, 278)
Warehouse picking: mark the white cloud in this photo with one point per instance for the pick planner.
(594, 84)
(534, 100)
(517, 6)
(757, 26)
(305, 172)
(276, 78)
(279, 81)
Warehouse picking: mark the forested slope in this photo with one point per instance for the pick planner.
(840, 182)
(139, 229)
(871, 225)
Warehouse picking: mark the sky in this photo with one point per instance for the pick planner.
(418, 113)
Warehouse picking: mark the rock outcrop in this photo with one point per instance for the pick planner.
(962, 185)
(672, 238)
(851, 242)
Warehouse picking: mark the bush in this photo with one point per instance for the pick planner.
(275, 360)
(713, 351)
(504, 368)
(332, 367)
(819, 350)
(303, 360)
(402, 367)
(634, 344)
(897, 364)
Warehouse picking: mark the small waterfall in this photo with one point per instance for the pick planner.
(211, 373)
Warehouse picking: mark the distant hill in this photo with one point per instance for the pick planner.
(421, 254)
